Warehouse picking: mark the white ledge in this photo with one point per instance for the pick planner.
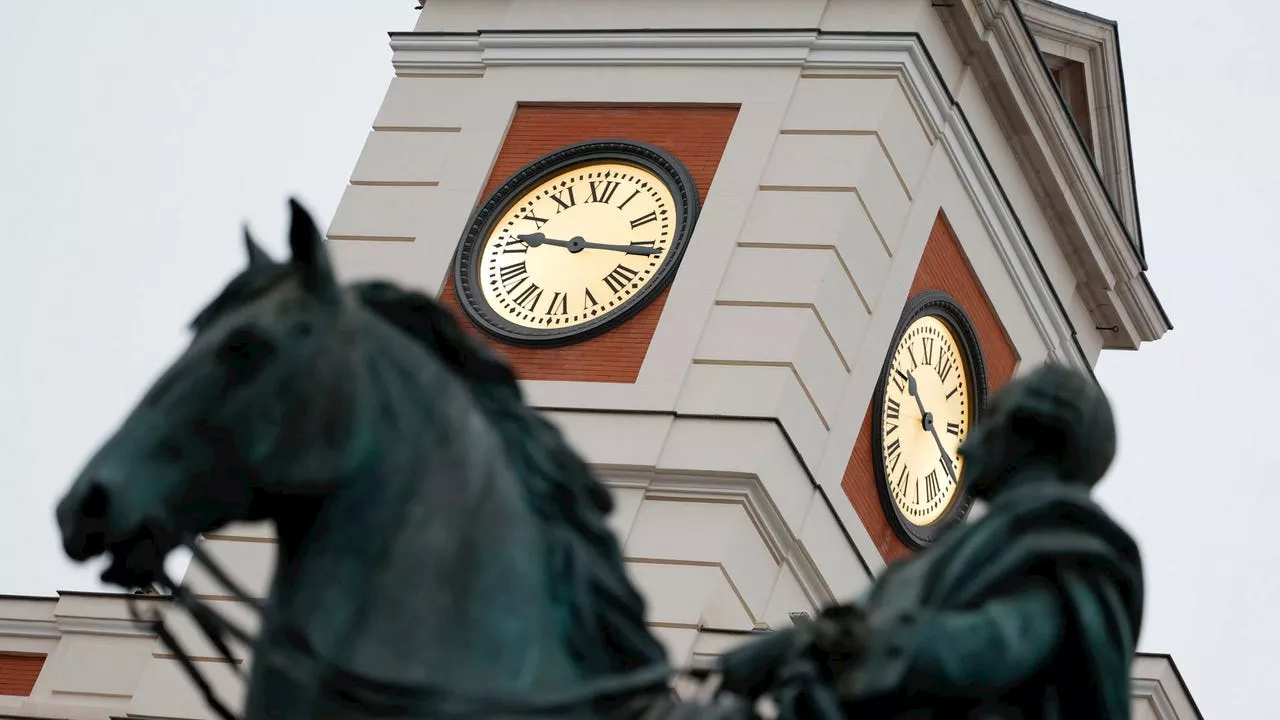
(29, 629)
(417, 52)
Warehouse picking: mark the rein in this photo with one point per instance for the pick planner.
(350, 687)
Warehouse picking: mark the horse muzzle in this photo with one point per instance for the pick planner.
(94, 519)
(82, 518)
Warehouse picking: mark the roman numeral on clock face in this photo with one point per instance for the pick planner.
(559, 304)
(944, 368)
(512, 275)
(528, 298)
(564, 199)
(619, 278)
(602, 191)
(892, 449)
(645, 219)
(953, 428)
(931, 488)
(537, 221)
(900, 485)
(899, 379)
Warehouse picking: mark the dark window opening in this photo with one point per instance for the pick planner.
(1070, 76)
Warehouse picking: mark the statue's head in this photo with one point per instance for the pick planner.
(256, 409)
(1052, 417)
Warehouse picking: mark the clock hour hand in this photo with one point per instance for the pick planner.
(578, 244)
(926, 419)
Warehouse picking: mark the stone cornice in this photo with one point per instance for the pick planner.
(1014, 78)
(28, 628)
(437, 52)
(1099, 40)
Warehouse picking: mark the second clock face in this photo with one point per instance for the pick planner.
(577, 246)
(925, 414)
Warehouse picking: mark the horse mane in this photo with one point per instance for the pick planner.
(601, 613)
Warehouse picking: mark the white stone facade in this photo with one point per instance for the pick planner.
(851, 137)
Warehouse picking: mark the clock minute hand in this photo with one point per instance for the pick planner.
(926, 419)
(578, 244)
(629, 249)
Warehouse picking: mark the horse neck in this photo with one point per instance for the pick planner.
(428, 566)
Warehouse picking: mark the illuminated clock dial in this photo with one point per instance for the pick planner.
(577, 247)
(926, 414)
(932, 386)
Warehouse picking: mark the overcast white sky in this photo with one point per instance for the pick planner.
(136, 137)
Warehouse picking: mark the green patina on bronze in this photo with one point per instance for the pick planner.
(1032, 611)
(434, 531)
(444, 553)
(1035, 608)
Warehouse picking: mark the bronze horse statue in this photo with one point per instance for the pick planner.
(440, 548)
(443, 553)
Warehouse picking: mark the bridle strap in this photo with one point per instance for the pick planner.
(398, 698)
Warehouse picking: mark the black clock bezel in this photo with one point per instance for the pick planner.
(466, 269)
(944, 307)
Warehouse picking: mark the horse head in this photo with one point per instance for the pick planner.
(250, 412)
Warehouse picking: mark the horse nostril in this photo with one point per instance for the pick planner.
(95, 543)
(95, 502)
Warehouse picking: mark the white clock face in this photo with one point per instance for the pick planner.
(577, 246)
(925, 415)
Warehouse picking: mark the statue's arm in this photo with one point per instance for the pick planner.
(988, 649)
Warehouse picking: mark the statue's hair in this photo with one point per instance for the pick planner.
(603, 623)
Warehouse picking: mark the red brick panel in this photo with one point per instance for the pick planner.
(694, 134)
(18, 673)
(943, 267)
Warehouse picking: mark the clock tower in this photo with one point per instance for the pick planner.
(762, 277)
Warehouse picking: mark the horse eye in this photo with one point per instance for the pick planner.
(244, 353)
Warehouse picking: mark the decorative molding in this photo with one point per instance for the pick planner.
(117, 627)
(1157, 682)
(1153, 692)
(1110, 265)
(901, 55)
(749, 491)
(42, 629)
(435, 52)
(1098, 39)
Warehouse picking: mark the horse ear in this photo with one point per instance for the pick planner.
(257, 256)
(309, 254)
